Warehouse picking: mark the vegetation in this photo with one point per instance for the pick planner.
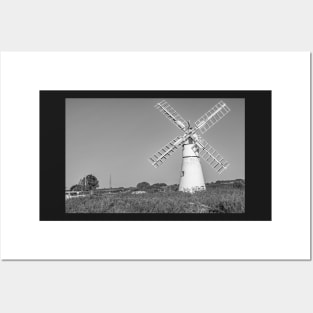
(143, 186)
(87, 183)
(218, 198)
(76, 188)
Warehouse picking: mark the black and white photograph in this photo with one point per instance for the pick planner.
(155, 155)
(128, 170)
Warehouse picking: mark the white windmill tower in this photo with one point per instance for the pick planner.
(193, 146)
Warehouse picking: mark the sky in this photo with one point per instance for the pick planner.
(116, 136)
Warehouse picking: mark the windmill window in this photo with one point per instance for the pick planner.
(182, 173)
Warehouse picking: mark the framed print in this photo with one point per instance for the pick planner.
(76, 124)
(155, 156)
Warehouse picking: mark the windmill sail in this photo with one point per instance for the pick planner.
(172, 115)
(210, 155)
(164, 153)
(191, 177)
(210, 118)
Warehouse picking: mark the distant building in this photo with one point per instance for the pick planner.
(138, 192)
(74, 194)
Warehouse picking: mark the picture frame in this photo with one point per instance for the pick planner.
(257, 151)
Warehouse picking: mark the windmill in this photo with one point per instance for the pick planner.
(193, 146)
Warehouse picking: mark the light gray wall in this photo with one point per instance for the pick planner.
(151, 286)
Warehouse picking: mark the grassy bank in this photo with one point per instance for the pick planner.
(223, 199)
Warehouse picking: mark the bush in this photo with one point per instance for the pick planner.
(143, 186)
(238, 184)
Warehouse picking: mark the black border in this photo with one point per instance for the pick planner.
(258, 125)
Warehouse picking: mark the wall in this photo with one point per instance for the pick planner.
(44, 286)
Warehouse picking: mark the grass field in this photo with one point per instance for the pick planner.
(222, 199)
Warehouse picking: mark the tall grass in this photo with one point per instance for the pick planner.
(223, 199)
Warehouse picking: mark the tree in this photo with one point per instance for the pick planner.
(89, 182)
(76, 188)
(158, 185)
(143, 186)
